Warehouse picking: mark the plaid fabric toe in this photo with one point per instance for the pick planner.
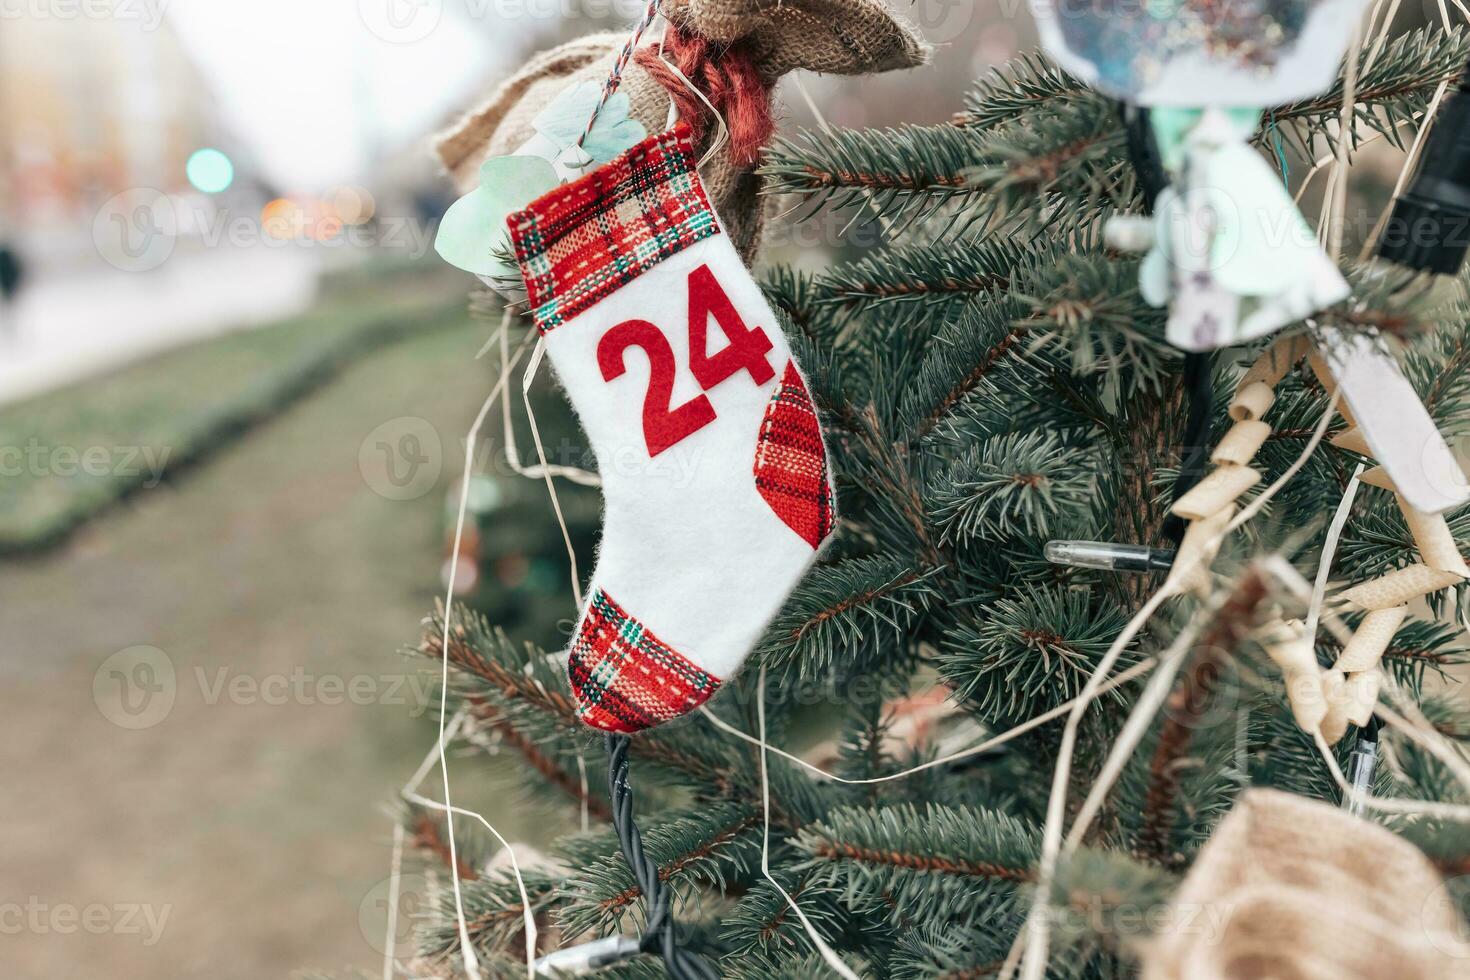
(624, 678)
(791, 462)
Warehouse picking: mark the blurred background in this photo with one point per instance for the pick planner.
(234, 385)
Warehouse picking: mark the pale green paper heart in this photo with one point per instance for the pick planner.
(563, 120)
(473, 231)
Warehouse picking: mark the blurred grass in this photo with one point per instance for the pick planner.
(143, 423)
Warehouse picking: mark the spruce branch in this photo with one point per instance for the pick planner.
(1030, 652)
(546, 765)
(487, 654)
(924, 283)
(1184, 711)
(848, 609)
(713, 844)
(962, 864)
(1009, 485)
(428, 837)
(1390, 94)
(939, 840)
(1020, 88)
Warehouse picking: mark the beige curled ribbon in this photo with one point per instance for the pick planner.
(1321, 700)
(1212, 503)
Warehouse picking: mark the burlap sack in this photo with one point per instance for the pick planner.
(1293, 889)
(847, 37)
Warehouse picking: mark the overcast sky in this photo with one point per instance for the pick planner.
(314, 85)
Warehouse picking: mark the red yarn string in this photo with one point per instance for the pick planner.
(728, 77)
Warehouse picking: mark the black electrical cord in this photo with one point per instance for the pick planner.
(1429, 228)
(659, 930)
(1143, 151)
(1198, 434)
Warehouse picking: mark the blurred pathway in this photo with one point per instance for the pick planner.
(273, 579)
(64, 329)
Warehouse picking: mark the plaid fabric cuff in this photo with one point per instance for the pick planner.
(585, 240)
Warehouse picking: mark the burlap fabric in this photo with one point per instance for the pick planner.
(1293, 889)
(847, 37)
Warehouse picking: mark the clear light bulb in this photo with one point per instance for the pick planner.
(1108, 555)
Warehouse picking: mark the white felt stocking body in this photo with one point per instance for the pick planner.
(715, 478)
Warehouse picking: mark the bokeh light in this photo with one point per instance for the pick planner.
(280, 218)
(354, 205)
(210, 171)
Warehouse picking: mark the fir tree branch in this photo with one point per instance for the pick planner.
(978, 372)
(1184, 710)
(547, 766)
(1398, 86)
(1014, 91)
(468, 656)
(428, 837)
(838, 851)
(943, 841)
(681, 863)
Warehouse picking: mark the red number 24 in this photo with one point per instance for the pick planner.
(746, 350)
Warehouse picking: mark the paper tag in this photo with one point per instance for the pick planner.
(1393, 420)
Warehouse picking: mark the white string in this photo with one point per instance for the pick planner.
(1153, 697)
(471, 961)
(1142, 667)
(1418, 729)
(723, 135)
(1134, 729)
(526, 915)
(1450, 811)
(1329, 552)
(1382, 33)
(1037, 928)
(390, 949)
(575, 474)
(833, 960)
(1456, 812)
(526, 381)
(582, 775)
(390, 941)
(1338, 208)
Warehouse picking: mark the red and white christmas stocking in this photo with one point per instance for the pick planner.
(716, 487)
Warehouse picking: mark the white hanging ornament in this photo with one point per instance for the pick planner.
(1230, 252)
(1231, 255)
